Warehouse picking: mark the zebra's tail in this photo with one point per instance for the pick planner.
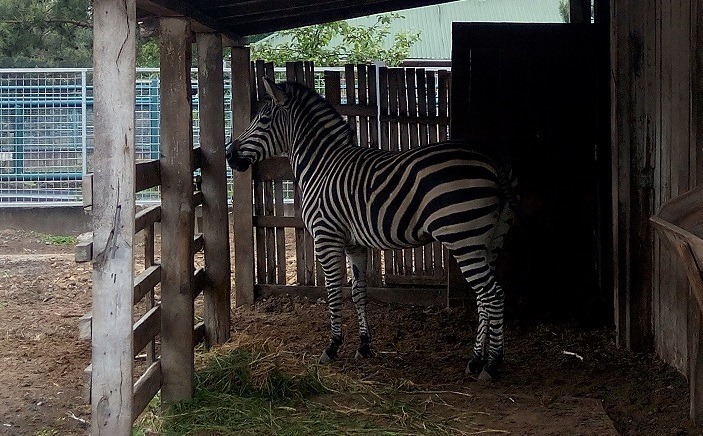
(509, 208)
(507, 186)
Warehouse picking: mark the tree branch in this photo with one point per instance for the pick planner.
(56, 21)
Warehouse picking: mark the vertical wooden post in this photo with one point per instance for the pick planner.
(214, 188)
(579, 11)
(632, 170)
(242, 199)
(113, 216)
(695, 320)
(177, 211)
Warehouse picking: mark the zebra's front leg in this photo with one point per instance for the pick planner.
(358, 257)
(331, 257)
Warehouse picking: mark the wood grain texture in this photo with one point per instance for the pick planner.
(113, 216)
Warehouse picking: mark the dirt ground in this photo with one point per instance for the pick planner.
(544, 391)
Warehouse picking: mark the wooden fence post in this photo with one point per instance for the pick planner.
(242, 199)
(214, 187)
(177, 211)
(113, 216)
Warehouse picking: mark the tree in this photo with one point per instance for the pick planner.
(45, 33)
(354, 44)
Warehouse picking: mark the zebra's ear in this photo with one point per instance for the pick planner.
(277, 94)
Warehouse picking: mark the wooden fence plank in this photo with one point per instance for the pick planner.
(350, 89)
(177, 211)
(216, 298)
(145, 282)
(148, 175)
(242, 200)
(299, 242)
(146, 328)
(271, 266)
(373, 100)
(113, 216)
(421, 84)
(147, 217)
(363, 101)
(280, 233)
(145, 388)
(259, 233)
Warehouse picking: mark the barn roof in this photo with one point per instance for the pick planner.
(239, 18)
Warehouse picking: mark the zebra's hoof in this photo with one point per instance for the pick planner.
(475, 366)
(489, 373)
(485, 376)
(324, 358)
(364, 352)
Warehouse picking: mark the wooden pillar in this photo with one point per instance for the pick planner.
(113, 216)
(695, 320)
(214, 187)
(176, 211)
(242, 199)
(633, 174)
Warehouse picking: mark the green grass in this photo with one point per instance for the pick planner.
(256, 390)
(60, 240)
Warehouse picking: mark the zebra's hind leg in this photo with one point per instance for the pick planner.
(330, 256)
(478, 361)
(476, 270)
(358, 258)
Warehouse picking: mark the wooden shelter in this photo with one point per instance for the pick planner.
(651, 154)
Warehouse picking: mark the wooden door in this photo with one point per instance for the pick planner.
(530, 94)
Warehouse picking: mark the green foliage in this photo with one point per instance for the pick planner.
(148, 52)
(45, 33)
(337, 43)
(564, 10)
(60, 240)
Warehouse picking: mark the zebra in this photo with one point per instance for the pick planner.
(354, 198)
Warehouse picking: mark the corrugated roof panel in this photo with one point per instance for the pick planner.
(435, 22)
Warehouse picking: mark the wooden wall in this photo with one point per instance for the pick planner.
(655, 99)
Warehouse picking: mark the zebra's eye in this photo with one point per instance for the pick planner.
(265, 120)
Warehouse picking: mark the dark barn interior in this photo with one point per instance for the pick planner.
(534, 95)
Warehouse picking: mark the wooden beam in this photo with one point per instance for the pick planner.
(215, 227)
(632, 170)
(242, 200)
(114, 60)
(148, 175)
(146, 387)
(176, 211)
(147, 217)
(145, 282)
(419, 296)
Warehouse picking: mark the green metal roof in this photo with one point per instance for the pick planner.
(435, 22)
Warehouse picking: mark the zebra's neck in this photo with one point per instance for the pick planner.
(319, 132)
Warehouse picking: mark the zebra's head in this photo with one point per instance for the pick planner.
(266, 136)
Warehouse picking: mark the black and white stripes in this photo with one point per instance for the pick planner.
(354, 197)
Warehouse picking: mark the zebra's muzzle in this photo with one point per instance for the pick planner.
(234, 158)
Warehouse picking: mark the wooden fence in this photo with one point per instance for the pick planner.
(164, 291)
(387, 108)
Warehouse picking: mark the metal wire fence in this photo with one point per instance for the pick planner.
(46, 131)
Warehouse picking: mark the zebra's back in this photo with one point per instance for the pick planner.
(384, 199)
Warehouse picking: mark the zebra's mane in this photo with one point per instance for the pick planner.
(300, 91)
